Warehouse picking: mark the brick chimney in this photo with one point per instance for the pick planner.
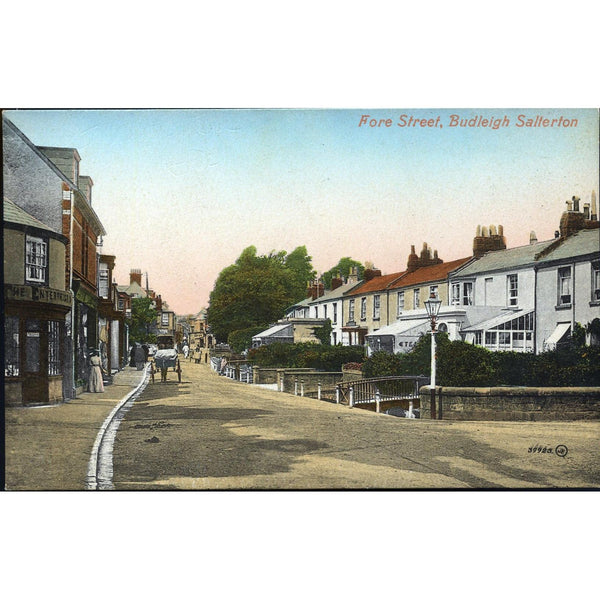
(488, 239)
(158, 302)
(135, 275)
(371, 273)
(426, 259)
(573, 221)
(315, 289)
(336, 282)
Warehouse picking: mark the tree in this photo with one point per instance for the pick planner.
(343, 268)
(299, 263)
(256, 290)
(143, 320)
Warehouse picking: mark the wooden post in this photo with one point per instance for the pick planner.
(295, 386)
(377, 401)
(302, 387)
(337, 393)
(351, 401)
(319, 390)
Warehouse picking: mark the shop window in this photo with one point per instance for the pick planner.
(36, 260)
(11, 347)
(54, 348)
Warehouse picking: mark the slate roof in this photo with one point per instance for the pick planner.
(337, 293)
(498, 260)
(582, 243)
(15, 214)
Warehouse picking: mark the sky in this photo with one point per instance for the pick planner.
(182, 192)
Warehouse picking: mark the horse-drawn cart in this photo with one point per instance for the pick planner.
(163, 361)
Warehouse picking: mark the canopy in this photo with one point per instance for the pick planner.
(557, 335)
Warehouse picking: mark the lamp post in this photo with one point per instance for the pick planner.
(432, 305)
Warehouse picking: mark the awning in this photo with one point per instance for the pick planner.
(399, 327)
(557, 335)
(494, 322)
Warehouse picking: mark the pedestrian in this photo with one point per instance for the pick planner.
(132, 356)
(223, 365)
(186, 350)
(95, 383)
(140, 357)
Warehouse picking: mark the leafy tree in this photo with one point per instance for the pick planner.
(241, 339)
(256, 290)
(300, 265)
(343, 268)
(143, 320)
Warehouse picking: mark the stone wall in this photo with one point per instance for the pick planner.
(309, 378)
(513, 403)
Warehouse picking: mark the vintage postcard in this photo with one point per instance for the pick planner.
(301, 299)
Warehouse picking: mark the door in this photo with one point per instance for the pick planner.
(35, 379)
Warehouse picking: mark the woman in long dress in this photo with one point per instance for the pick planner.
(96, 384)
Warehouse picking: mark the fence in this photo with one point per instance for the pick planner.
(375, 392)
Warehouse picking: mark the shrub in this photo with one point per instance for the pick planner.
(306, 355)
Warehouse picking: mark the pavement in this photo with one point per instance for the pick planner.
(49, 447)
(210, 433)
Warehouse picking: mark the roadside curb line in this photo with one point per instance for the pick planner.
(99, 473)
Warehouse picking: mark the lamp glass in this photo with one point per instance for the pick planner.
(433, 306)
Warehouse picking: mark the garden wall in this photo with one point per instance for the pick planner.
(512, 403)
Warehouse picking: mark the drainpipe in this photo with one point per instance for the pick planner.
(72, 293)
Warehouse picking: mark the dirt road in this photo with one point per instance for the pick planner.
(208, 432)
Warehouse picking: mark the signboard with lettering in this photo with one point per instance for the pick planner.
(37, 294)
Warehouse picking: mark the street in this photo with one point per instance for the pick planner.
(211, 433)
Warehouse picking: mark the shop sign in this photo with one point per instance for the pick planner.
(37, 294)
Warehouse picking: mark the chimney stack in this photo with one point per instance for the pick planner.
(487, 240)
(135, 275)
(594, 209)
(532, 238)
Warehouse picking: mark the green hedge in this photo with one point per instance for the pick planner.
(462, 364)
(306, 355)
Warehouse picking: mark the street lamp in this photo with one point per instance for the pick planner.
(432, 305)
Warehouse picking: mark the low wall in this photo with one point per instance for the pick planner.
(307, 378)
(512, 403)
(264, 375)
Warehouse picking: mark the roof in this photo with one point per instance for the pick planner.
(431, 273)
(15, 214)
(584, 242)
(377, 284)
(274, 330)
(504, 317)
(510, 258)
(399, 327)
(335, 294)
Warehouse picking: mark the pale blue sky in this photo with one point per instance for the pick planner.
(182, 192)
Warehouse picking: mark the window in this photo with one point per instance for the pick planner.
(400, 305)
(564, 286)
(54, 348)
(416, 297)
(467, 293)
(596, 281)
(478, 338)
(36, 259)
(335, 312)
(11, 347)
(433, 291)
(455, 294)
(512, 289)
(351, 311)
(488, 291)
(376, 307)
(103, 283)
(325, 311)
(363, 309)
(316, 312)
